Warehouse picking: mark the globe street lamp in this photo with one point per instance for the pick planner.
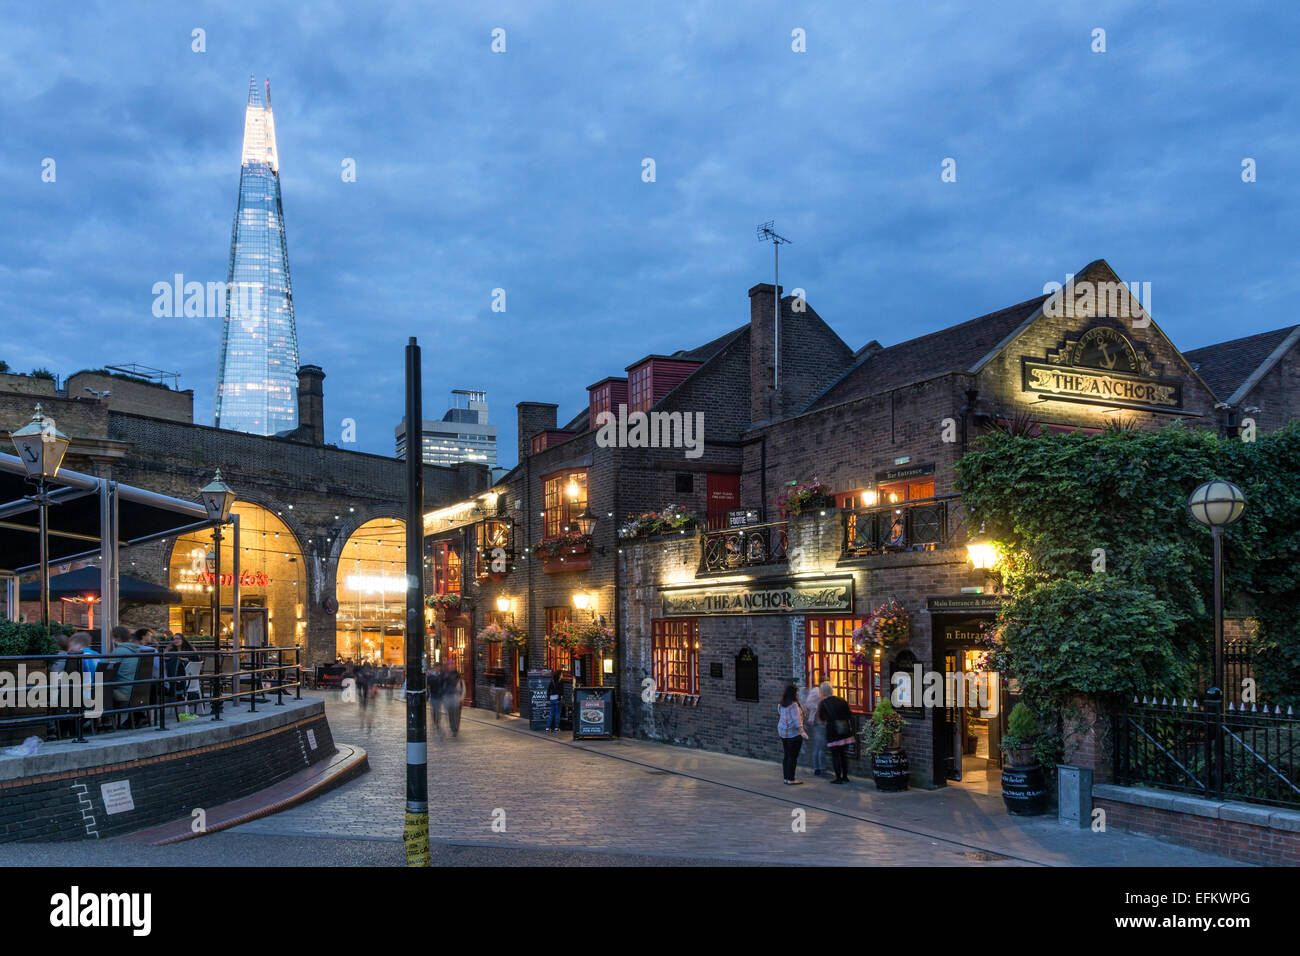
(1217, 504)
(41, 446)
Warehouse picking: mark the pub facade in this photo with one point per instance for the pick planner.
(710, 622)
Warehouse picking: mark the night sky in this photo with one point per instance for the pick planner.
(522, 171)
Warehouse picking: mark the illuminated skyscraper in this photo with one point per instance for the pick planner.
(257, 379)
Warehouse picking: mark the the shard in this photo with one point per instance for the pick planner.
(257, 378)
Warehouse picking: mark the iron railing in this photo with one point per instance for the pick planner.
(746, 547)
(921, 525)
(78, 690)
(1174, 745)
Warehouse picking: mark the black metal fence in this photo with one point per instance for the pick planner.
(1176, 745)
(749, 546)
(922, 525)
(71, 696)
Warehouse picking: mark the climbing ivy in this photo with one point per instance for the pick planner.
(1109, 576)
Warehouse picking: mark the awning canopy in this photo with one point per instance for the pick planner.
(75, 516)
(85, 582)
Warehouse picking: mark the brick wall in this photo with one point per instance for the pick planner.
(135, 398)
(1277, 394)
(1264, 846)
(70, 805)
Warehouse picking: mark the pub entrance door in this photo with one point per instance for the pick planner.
(967, 728)
(460, 655)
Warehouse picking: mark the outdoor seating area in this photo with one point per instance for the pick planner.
(91, 695)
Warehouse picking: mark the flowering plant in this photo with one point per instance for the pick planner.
(575, 634)
(890, 623)
(553, 547)
(506, 634)
(864, 643)
(882, 732)
(803, 496)
(445, 602)
(672, 518)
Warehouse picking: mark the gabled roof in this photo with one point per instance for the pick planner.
(1231, 368)
(954, 349)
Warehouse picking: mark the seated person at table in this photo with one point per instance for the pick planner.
(126, 647)
(79, 644)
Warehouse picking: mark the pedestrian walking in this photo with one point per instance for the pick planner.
(553, 691)
(453, 695)
(365, 686)
(811, 706)
(435, 684)
(789, 728)
(834, 713)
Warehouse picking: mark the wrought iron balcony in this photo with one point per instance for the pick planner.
(922, 525)
(750, 546)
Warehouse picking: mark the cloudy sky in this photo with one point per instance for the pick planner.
(522, 170)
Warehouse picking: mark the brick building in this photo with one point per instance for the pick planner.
(315, 518)
(711, 624)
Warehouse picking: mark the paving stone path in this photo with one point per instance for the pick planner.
(655, 801)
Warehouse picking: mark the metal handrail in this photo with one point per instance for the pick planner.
(216, 687)
(921, 524)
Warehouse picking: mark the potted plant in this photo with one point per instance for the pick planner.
(567, 542)
(882, 738)
(672, 518)
(1024, 783)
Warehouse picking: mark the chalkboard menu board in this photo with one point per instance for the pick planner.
(593, 713)
(537, 698)
(746, 675)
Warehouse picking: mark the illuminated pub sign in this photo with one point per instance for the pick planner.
(247, 579)
(1103, 368)
(768, 597)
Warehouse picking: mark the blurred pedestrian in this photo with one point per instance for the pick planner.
(365, 686)
(838, 719)
(811, 706)
(789, 728)
(553, 691)
(434, 681)
(453, 695)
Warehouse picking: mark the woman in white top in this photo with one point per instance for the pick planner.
(789, 728)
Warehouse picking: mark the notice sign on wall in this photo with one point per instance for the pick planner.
(117, 796)
(772, 597)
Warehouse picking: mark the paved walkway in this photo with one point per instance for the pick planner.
(656, 801)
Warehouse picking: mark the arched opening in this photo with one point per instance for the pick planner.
(272, 574)
(371, 591)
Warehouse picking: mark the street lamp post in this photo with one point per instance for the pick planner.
(41, 446)
(1217, 504)
(217, 499)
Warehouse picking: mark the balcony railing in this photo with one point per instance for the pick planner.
(921, 525)
(747, 547)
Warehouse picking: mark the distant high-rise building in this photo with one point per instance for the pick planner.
(463, 434)
(257, 378)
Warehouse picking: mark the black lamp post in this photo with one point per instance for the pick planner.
(41, 446)
(217, 499)
(1217, 504)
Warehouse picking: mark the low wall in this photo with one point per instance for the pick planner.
(1240, 831)
(124, 782)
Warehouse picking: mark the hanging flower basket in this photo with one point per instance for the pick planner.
(447, 603)
(672, 518)
(507, 635)
(890, 624)
(801, 497)
(572, 635)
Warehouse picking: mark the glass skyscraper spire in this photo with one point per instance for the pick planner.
(257, 379)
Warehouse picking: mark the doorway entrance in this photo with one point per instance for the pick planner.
(460, 656)
(968, 727)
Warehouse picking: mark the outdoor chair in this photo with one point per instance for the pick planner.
(140, 692)
(189, 697)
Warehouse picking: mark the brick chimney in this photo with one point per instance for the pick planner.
(764, 402)
(311, 405)
(533, 417)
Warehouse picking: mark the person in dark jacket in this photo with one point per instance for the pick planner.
(834, 712)
(553, 692)
(433, 682)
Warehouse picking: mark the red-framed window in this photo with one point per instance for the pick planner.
(849, 499)
(675, 654)
(488, 536)
(640, 389)
(829, 656)
(564, 497)
(446, 568)
(557, 658)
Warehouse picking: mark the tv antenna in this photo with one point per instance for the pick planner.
(767, 234)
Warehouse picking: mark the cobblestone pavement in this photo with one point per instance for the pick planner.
(656, 801)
